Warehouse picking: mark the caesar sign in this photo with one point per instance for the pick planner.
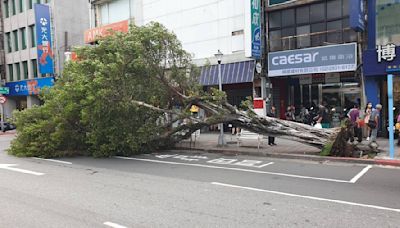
(325, 59)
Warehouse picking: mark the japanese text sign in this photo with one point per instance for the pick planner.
(386, 52)
(357, 15)
(43, 37)
(255, 28)
(326, 59)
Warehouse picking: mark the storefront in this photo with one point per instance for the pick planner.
(24, 94)
(312, 76)
(374, 69)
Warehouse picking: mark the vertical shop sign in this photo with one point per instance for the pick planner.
(43, 37)
(357, 15)
(256, 29)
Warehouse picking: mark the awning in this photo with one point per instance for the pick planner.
(231, 73)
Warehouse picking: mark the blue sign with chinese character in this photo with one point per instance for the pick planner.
(325, 59)
(29, 87)
(255, 28)
(357, 15)
(43, 37)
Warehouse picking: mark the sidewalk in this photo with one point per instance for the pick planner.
(285, 148)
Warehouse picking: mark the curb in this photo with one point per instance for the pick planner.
(385, 162)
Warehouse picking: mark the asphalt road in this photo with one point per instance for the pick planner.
(183, 189)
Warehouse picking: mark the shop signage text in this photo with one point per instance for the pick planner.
(4, 90)
(94, 34)
(326, 59)
(255, 28)
(372, 66)
(29, 87)
(43, 37)
(386, 52)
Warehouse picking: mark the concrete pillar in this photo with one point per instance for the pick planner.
(9, 107)
(32, 100)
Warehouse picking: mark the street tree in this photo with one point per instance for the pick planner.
(124, 95)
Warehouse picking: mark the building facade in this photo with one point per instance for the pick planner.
(203, 27)
(314, 55)
(29, 25)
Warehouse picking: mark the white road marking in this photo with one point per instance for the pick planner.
(114, 225)
(8, 167)
(269, 163)
(309, 197)
(53, 160)
(235, 169)
(360, 174)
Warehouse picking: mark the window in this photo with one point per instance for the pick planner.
(14, 7)
(349, 35)
(23, 38)
(21, 5)
(318, 36)
(32, 35)
(15, 37)
(25, 67)
(18, 71)
(10, 72)
(335, 31)
(288, 18)
(6, 9)
(275, 20)
(303, 15)
(333, 14)
(303, 41)
(8, 40)
(288, 38)
(34, 68)
(345, 5)
(317, 12)
(275, 40)
(30, 5)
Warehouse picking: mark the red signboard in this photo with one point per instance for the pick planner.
(92, 35)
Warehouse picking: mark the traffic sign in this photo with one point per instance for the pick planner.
(4, 90)
(3, 100)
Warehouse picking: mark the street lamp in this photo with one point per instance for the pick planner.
(221, 139)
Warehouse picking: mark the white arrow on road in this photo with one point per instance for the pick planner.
(9, 167)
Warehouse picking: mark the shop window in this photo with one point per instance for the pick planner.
(303, 36)
(34, 68)
(334, 9)
(6, 9)
(288, 18)
(275, 40)
(25, 68)
(387, 22)
(23, 38)
(318, 36)
(303, 15)
(334, 31)
(275, 20)
(317, 12)
(9, 44)
(32, 35)
(10, 72)
(288, 38)
(18, 71)
(15, 37)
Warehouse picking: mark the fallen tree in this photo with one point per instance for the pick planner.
(119, 98)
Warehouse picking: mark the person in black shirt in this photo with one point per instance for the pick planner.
(271, 113)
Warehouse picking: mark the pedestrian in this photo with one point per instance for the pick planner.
(373, 123)
(289, 114)
(367, 115)
(322, 117)
(304, 115)
(354, 115)
(271, 113)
